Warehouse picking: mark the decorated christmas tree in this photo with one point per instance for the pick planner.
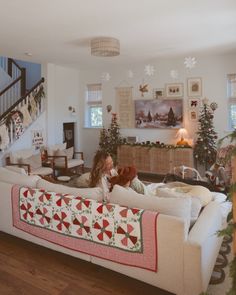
(111, 138)
(205, 147)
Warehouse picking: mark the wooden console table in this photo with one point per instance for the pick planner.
(153, 159)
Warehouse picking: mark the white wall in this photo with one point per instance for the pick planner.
(62, 87)
(212, 70)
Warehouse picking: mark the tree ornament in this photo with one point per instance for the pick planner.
(213, 106)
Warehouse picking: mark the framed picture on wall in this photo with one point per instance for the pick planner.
(194, 87)
(165, 113)
(193, 115)
(174, 90)
(158, 93)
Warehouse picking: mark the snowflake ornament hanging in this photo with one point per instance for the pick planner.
(174, 74)
(130, 74)
(190, 62)
(106, 76)
(149, 70)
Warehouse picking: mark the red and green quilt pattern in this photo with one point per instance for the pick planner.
(88, 226)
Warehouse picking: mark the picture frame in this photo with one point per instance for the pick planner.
(194, 87)
(165, 113)
(174, 90)
(193, 115)
(193, 103)
(158, 93)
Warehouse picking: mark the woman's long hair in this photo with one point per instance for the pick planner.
(98, 167)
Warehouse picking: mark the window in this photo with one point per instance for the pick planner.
(93, 106)
(231, 93)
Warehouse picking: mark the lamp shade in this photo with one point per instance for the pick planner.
(182, 134)
(105, 46)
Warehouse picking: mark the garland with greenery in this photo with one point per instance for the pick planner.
(230, 230)
(156, 144)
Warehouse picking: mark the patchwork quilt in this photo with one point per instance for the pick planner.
(120, 234)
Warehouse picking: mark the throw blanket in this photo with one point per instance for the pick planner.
(109, 231)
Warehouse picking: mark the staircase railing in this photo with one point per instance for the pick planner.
(16, 88)
(32, 98)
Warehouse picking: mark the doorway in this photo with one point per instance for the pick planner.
(68, 134)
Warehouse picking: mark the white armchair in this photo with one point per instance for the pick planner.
(31, 162)
(66, 161)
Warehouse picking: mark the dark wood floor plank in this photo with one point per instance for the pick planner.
(11, 285)
(54, 273)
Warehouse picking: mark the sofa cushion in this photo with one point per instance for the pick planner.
(179, 207)
(53, 148)
(196, 204)
(17, 178)
(66, 152)
(34, 161)
(202, 193)
(83, 180)
(95, 193)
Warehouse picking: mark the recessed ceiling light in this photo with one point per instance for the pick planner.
(28, 53)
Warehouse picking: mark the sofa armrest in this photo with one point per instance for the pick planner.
(201, 249)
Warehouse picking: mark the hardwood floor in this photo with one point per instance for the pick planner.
(29, 269)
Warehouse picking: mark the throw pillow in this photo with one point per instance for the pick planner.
(66, 152)
(202, 193)
(83, 180)
(34, 161)
(53, 148)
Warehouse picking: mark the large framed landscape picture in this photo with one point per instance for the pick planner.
(167, 113)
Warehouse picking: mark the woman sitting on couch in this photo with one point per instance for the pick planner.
(102, 171)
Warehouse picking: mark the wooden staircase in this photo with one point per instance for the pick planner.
(18, 108)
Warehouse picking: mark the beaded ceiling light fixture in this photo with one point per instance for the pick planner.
(105, 46)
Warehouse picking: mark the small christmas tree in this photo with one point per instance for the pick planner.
(111, 138)
(205, 147)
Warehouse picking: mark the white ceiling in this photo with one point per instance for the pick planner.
(60, 31)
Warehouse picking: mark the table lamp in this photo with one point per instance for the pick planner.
(182, 134)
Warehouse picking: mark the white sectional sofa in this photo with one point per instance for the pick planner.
(186, 256)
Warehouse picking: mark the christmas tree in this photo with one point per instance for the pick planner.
(205, 147)
(111, 138)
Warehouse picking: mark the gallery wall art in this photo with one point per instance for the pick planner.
(166, 113)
